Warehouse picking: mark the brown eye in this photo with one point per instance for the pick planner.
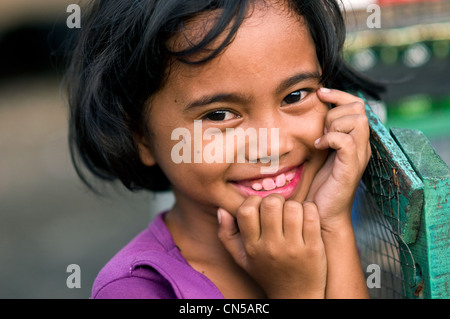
(220, 115)
(295, 97)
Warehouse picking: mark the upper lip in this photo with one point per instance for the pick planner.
(262, 176)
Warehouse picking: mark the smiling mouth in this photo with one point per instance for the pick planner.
(284, 183)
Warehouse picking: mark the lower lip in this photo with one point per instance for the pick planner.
(286, 191)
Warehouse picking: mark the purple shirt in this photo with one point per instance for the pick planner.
(151, 266)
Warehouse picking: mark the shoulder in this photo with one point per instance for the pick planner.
(151, 286)
(151, 266)
(126, 276)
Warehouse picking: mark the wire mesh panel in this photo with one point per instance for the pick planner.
(401, 215)
(381, 245)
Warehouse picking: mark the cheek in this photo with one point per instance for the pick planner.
(184, 159)
(202, 184)
(310, 126)
(316, 130)
(318, 116)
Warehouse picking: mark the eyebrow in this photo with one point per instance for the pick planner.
(239, 98)
(286, 84)
(221, 97)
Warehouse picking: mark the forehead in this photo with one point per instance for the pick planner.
(196, 28)
(272, 38)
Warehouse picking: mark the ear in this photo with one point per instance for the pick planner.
(145, 152)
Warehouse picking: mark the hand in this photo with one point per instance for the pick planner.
(347, 132)
(279, 244)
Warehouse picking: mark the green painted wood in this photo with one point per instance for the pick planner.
(431, 250)
(410, 188)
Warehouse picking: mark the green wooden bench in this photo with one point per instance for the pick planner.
(402, 215)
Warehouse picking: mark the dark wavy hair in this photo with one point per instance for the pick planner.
(120, 59)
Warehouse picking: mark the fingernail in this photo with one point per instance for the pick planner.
(317, 141)
(325, 90)
(219, 215)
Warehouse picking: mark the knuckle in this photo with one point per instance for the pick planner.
(292, 206)
(363, 120)
(310, 218)
(271, 252)
(315, 250)
(359, 106)
(293, 252)
(310, 208)
(343, 141)
(348, 142)
(224, 236)
(251, 250)
(335, 127)
(246, 211)
(273, 201)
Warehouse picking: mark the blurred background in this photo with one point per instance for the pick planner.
(49, 220)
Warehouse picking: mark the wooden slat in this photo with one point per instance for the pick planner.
(431, 250)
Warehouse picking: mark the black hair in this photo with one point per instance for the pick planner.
(120, 60)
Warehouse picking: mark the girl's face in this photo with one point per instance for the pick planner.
(264, 82)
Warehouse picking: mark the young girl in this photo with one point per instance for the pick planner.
(144, 70)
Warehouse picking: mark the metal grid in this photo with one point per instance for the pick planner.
(376, 216)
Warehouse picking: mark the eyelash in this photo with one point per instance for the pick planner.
(297, 94)
(207, 116)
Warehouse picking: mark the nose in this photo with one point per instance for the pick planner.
(273, 141)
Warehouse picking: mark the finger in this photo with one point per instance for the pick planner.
(272, 217)
(292, 220)
(350, 123)
(357, 126)
(337, 141)
(311, 224)
(247, 217)
(230, 236)
(339, 98)
(346, 104)
(344, 145)
(353, 108)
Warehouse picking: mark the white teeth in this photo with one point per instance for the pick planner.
(257, 186)
(280, 180)
(290, 176)
(269, 184)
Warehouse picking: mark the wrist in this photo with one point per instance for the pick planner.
(345, 277)
(337, 226)
(338, 236)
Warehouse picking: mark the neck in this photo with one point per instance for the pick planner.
(195, 231)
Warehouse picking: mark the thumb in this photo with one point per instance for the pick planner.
(230, 236)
